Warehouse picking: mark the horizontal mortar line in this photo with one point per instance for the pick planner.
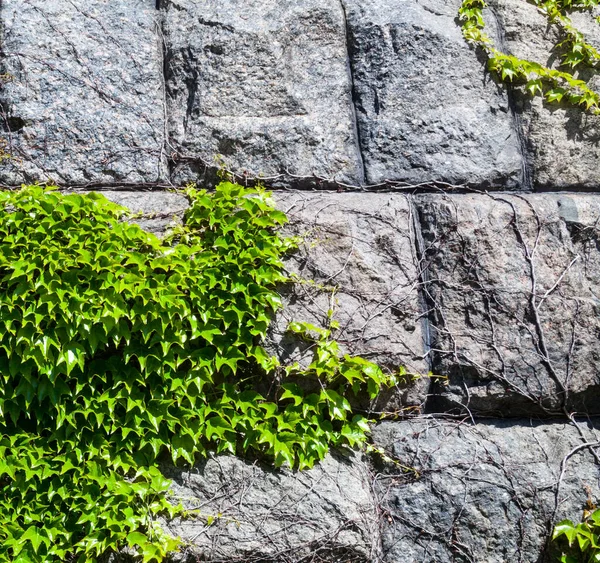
(121, 186)
(312, 183)
(332, 187)
(482, 417)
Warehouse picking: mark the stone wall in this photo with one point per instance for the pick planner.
(452, 224)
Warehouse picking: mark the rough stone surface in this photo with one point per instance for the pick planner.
(265, 84)
(489, 492)
(358, 259)
(360, 91)
(497, 294)
(426, 111)
(83, 99)
(323, 514)
(562, 142)
(158, 210)
(514, 293)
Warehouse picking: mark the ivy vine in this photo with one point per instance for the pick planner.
(575, 543)
(555, 85)
(578, 543)
(117, 348)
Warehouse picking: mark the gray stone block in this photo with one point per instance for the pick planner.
(490, 492)
(426, 110)
(265, 85)
(562, 141)
(83, 98)
(513, 287)
(357, 259)
(262, 514)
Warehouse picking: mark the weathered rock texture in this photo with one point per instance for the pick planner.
(358, 262)
(357, 92)
(497, 294)
(324, 514)
(514, 293)
(489, 492)
(425, 109)
(82, 96)
(561, 143)
(265, 84)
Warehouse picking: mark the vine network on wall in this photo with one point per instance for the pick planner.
(118, 348)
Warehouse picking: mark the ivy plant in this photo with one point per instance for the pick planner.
(553, 84)
(578, 543)
(117, 348)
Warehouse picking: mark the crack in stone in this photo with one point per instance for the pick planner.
(354, 100)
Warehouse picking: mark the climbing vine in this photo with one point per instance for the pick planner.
(117, 348)
(553, 84)
(575, 543)
(578, 543)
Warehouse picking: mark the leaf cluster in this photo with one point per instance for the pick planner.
(117, 348)
(538, 80)
(579, 543)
